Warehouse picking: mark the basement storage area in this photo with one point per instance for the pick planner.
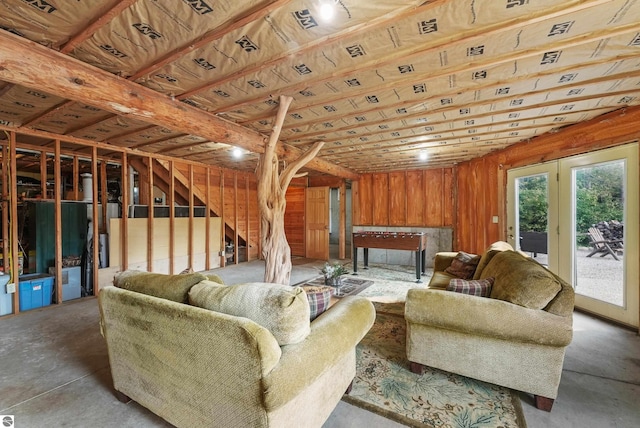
(61, 186)
(47, 222)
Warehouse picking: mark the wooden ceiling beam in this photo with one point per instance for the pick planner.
(39, 117)
(88, 31)
(27, 63)
(5, 88)
(209, 37)
(181, 147)
(97, 23)
(103, 20)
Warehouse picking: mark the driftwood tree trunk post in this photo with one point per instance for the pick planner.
(272, 189)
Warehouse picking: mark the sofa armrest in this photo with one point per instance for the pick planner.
(486, 317)
(443, 260)
(333, 334)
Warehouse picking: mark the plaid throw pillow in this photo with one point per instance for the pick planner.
(319, 299)
(477, 287)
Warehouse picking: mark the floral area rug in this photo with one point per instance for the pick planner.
(385, 385)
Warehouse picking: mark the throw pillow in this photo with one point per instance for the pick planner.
(463, 265)
(521, 280)
(281, 309)
(474, 287)
(170, 287)
(319, 299)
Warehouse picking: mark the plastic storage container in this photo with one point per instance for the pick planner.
(6, 304)
(35, 291)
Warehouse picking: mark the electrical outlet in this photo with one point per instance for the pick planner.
(11, 287)
(495, 219)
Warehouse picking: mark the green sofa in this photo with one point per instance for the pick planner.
(198, 353)
(516, 337)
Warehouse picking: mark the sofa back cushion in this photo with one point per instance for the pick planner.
(170, 287)
(489, 253)
(521, 281)
(281, 309)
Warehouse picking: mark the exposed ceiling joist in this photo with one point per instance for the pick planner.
(27, 63)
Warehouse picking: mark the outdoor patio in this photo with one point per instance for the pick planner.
(597, 277)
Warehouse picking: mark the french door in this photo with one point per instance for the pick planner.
(590, 205)
(600, 192)
(532, 204)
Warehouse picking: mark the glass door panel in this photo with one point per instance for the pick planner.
(532, 206)
(597, 254)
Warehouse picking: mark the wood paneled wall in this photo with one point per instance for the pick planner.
(423, 198)
(294, 220)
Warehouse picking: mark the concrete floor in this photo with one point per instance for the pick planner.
(54, 371)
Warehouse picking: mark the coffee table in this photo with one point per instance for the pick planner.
(349, 287)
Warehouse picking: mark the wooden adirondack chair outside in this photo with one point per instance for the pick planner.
(602, 246)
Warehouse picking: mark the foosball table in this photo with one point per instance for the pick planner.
(411, 241)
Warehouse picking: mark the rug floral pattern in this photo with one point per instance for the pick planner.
(385, 384)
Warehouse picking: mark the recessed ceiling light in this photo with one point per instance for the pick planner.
(327, 9)
(423, 156)
(237, 153)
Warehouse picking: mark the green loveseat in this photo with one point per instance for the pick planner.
(515, 338)
(198, 367)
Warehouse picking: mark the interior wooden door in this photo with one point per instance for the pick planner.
(317, 224)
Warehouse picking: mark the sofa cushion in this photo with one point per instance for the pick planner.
(319, 299)
(487, 255)
(440, 280)
(170, 287)
(281, 309)
(463, 265)
(521, 281)
(474, 287)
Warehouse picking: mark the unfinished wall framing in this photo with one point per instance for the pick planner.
(167, 245)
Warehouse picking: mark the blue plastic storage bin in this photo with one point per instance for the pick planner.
(35, 291)
(6, 299)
